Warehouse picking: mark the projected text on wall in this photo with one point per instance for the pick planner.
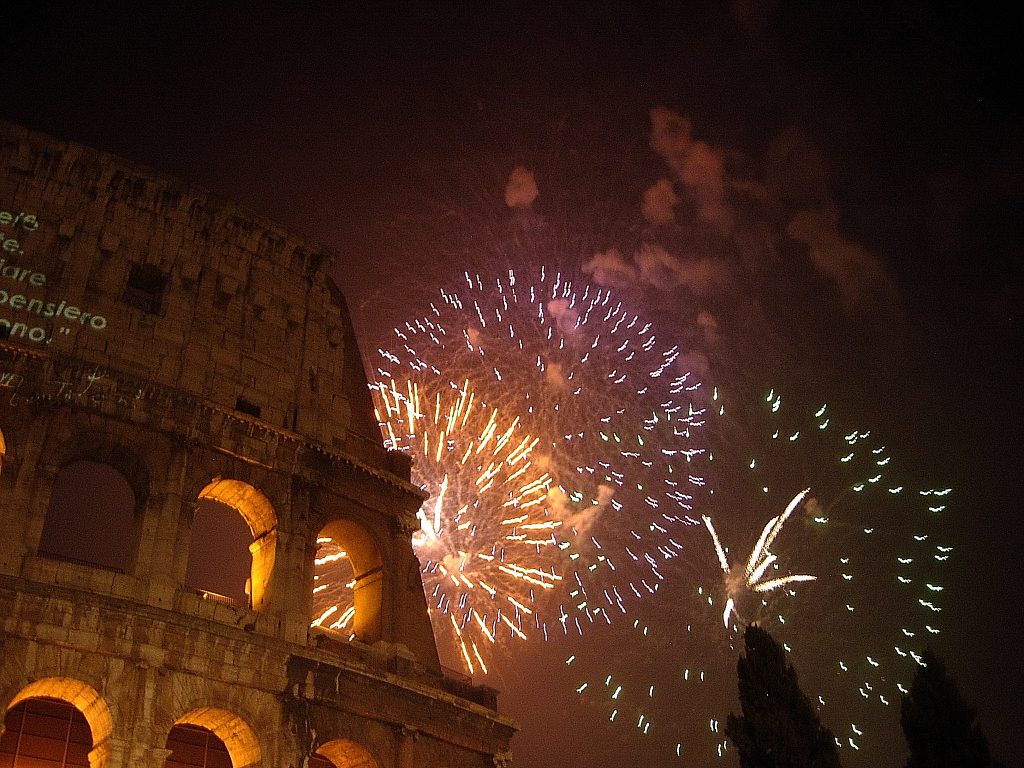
(24, 314)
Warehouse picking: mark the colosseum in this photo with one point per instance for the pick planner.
(175, 369)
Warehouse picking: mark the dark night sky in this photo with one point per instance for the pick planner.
(366, 129)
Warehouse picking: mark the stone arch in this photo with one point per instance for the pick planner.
(238, 737)
(91, 516)
(69, 442)
(345, 753)
(86, 700)
(364, 554)
(110, 448)
(258, 513)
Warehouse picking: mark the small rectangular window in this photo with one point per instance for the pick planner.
(145, 288)
(244, 406)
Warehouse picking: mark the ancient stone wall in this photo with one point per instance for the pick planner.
(199, 352)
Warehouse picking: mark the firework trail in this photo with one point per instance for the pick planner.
(332, 590)
(574, 466)
(483, 526)
(847, 576)
(589, 489)
(486, 523)
(758, 562)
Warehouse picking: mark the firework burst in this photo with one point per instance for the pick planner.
(847, 576)
(557, 440)
(760, 559)
(486, 526)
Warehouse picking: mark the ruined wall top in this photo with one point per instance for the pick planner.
(122, 267)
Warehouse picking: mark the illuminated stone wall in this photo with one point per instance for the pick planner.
(200, 352)
(246, 311)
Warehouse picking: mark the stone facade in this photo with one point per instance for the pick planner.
(201, 352)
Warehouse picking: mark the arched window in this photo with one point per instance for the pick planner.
(45, 732)
(234, 536)
(219, 561)
(349, 589)
(58, 722)
(193, 746)
(208, 737)
(333, 603)
(91, 517)
(343, 753)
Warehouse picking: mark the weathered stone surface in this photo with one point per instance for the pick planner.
(200, 351)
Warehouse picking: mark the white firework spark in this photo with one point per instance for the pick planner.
(761, 558)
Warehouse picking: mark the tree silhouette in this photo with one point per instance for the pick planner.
(778, 728)
(938, 723)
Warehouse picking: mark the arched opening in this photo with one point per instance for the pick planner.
(343, 753)
(220, 738)
(333, 582)
(3, 450)
(232, 549)
(193, 746)
(349, 588)
(56, 722)
(219, 560)
(45, 732)
(91, 517)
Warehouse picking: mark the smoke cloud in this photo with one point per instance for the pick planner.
(793, 197)
(583, 519)
(700, 275)
(610, 269)
(521, 188)
(860, 276)
(653, 265)
(554, 376)
(566, 317)
(659, 202)
(709, 326)
(695, 362)
(796, 173)
(700, 168)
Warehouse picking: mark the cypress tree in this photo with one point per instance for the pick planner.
(938, 723)
(779, 727)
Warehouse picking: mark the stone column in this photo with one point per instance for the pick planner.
(407, 746)
(152, 757)
(163, 547)
(158, 757)
(147, 746)
(291, 598)
(111, 753)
